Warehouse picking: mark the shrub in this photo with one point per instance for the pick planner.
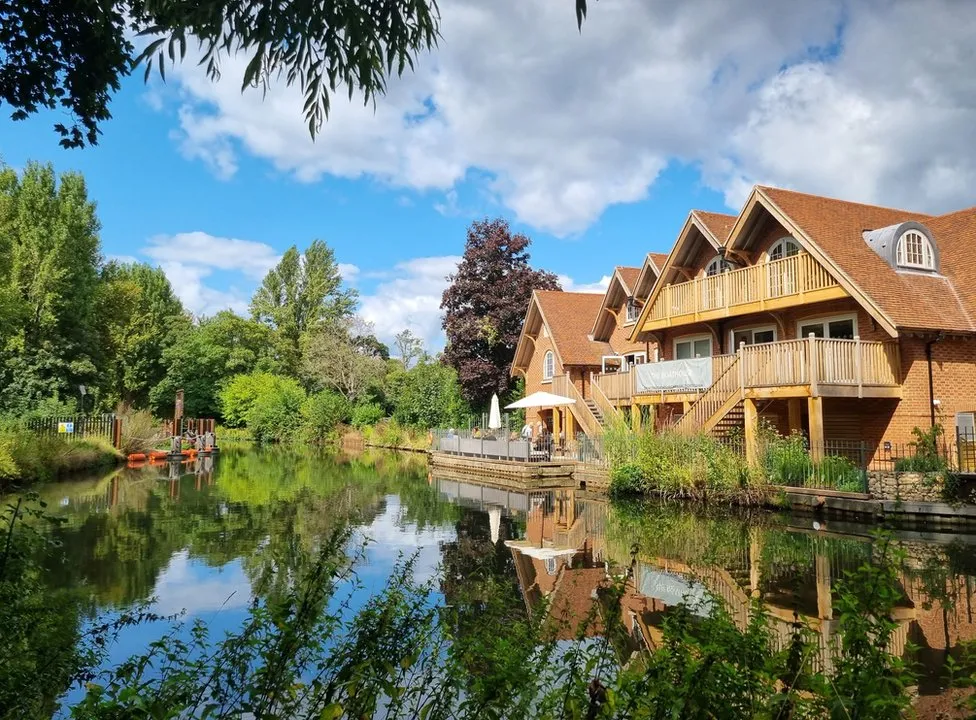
(927, 457)
(787, 460)
(322, 413)
(240, 394)
(627, 480)
(367, 414)
(141, 432)
(841, 473)
(276, 414)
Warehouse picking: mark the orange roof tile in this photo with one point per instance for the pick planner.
(629, 275)
(910, 300)
(658, 259)
(570, 319)
(719, 224)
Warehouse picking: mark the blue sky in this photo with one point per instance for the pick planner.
(595, 145)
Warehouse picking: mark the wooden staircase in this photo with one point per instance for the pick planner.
(595, 409)
(716, 403)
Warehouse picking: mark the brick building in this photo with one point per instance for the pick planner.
(844, 321)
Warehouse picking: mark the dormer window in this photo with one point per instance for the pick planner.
(907, 246)
(632, 310)
(915, 251)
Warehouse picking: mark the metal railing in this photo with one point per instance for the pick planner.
(495, 445)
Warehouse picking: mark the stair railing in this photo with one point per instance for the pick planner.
(726, 384)
(561, 385)
(602, 401)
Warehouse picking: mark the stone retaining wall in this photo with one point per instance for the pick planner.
(906, 486)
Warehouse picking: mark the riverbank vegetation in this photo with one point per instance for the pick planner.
(705, 467)
(302, 651)
(81, 335)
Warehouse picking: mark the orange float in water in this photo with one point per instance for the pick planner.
(137, 457)
(158, 455)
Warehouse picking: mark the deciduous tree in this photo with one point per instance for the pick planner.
(484, 306)
(332, 360)
(49, 259)
(302, 292)
(409, 347)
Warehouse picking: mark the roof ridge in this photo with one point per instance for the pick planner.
(841, 200)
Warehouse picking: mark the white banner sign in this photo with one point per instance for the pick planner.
(674, 375)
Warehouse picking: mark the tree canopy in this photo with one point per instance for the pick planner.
(484, 306)
(300, 293)
(72, 56)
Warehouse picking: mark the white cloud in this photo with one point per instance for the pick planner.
(410, 298)
(569, 285)
(187, 585)
(190, 259)
(349, 272)
(872, 99)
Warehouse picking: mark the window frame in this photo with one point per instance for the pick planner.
(631, 306)
(692, 339)
(927, 251)
(549, 359)
(752, 330)
(781, 243)
(825, 320)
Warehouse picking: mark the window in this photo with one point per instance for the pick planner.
(548, 365)
(782, 276)
(784, 248)
(634, 359)
(915, 250)
(712, 291)
(716, 266)
(842, 327)
(692, 347)
(752, 336)
(632, 310)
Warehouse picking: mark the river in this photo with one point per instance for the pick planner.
(196, 537)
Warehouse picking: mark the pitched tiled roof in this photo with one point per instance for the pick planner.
(570, 318)
(718, 224)
(629, 275)
(910, 300)
(572, 603)
(658, 259)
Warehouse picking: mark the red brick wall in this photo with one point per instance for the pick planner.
(533, 373)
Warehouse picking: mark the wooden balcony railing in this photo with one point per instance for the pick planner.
(811, 361)
(762, 286)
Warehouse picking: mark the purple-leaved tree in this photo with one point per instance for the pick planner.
(484, 306)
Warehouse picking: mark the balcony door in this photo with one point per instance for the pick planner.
(836, 361)
(752, 336)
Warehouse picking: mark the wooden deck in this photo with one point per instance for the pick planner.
(812, 367)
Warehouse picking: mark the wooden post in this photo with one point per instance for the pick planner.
(796, 414)
(556, 426)
(741, 351)
(752, 431)
(755, 558)
(824, 600)
(814, 370)
(858, 366)
(652, 418)
(570, 426)
(635, 417)
(117, 433)
(815, 411)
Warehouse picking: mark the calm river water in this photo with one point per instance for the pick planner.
(196, 539)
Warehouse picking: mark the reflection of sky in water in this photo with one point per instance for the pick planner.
(220, 595)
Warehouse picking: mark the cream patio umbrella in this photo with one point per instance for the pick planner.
(541, 400)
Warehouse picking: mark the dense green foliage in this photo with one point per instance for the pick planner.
(73, 56)
(427, 395)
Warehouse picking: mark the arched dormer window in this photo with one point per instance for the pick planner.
(787, 247)
(548, 365)
(717, 266)
(915, 251)
(712, 296)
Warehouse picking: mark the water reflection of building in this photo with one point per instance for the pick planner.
(573, 543)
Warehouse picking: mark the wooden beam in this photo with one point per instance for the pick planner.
(752, 431)
(796, 414)
(556, 425)
(815, 411)
(782, 391)
(635, 417)
(824, 600)
(570, 427)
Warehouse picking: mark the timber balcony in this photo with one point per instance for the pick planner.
(773, 285)
(811, 367)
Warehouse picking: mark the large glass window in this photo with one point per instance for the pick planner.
(839, 328)
(782, 276)
(692, 348)
(753, 336)
(633, 310)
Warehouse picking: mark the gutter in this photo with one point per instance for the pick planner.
(928, 359)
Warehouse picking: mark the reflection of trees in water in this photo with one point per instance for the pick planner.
(265, 506)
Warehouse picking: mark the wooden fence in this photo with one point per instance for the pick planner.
(79, 427)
